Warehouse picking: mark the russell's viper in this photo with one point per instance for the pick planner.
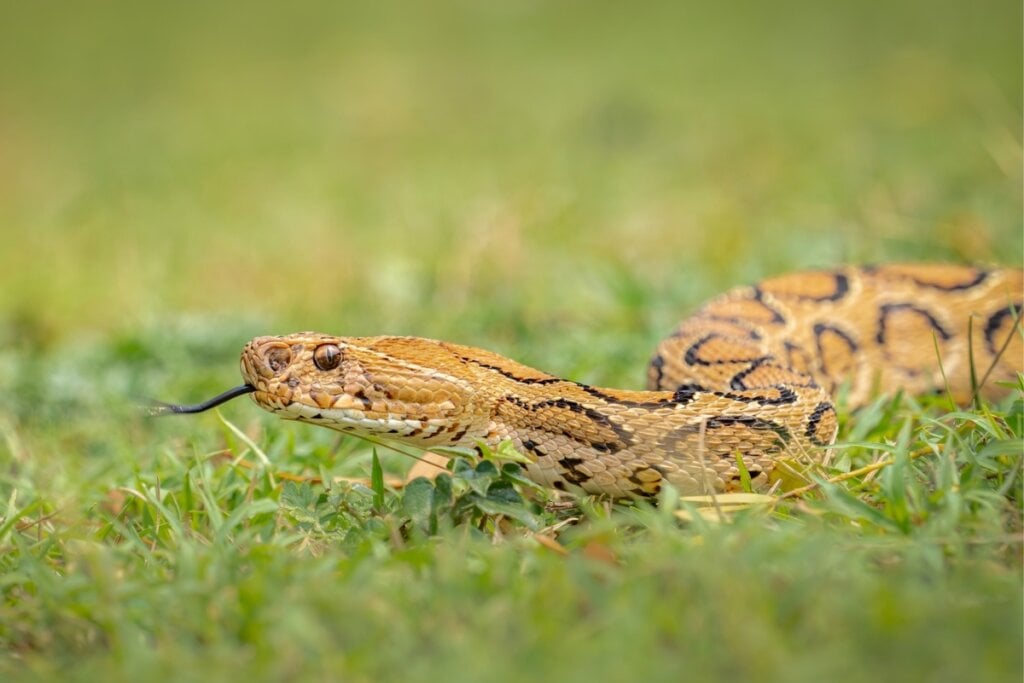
(750, 378)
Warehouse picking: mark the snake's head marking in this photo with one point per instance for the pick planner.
(377, 386)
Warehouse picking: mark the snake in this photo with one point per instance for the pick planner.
(748, 381)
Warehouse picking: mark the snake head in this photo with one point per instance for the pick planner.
(372, 386)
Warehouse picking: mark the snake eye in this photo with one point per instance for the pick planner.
(327, 356)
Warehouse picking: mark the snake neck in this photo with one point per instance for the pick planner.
(630, 443)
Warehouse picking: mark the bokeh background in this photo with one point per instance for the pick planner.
(487, 170)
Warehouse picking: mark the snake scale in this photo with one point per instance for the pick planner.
(753, 373)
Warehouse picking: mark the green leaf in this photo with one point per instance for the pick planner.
(418, 499)
(12, 516)
(506, 451)
(480, 477)
(463, 469)
(443, 491)
(846, 504)
(517, 512)
(504, 492)
(243, 512)
(460, 452)
(512, 472)
(1015, 417)
(377, 483)
(744, 473)
(298, 495)
(486, 468)
(895, 480)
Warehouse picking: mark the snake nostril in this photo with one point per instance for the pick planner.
(278, 358)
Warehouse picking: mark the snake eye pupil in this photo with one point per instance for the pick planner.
(327, 357)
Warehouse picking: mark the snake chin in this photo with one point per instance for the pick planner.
(355, 421)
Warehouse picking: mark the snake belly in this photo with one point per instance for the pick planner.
(750, 378)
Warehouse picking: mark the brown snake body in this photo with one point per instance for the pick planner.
(751, 374)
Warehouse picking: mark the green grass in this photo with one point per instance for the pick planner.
(560, 182)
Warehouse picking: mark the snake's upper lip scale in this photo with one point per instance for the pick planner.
(160, 408)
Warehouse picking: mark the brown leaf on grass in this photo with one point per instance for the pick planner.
(428, 466)
(551, 544)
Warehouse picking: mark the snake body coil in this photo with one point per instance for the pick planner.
(752, 373)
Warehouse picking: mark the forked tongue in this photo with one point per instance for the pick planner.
(158, 408)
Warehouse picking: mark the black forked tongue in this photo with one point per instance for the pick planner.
(160, 408)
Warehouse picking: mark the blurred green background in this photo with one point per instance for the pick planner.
(560, 181)
(388, 167)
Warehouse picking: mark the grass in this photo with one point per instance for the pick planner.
(557, 181)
